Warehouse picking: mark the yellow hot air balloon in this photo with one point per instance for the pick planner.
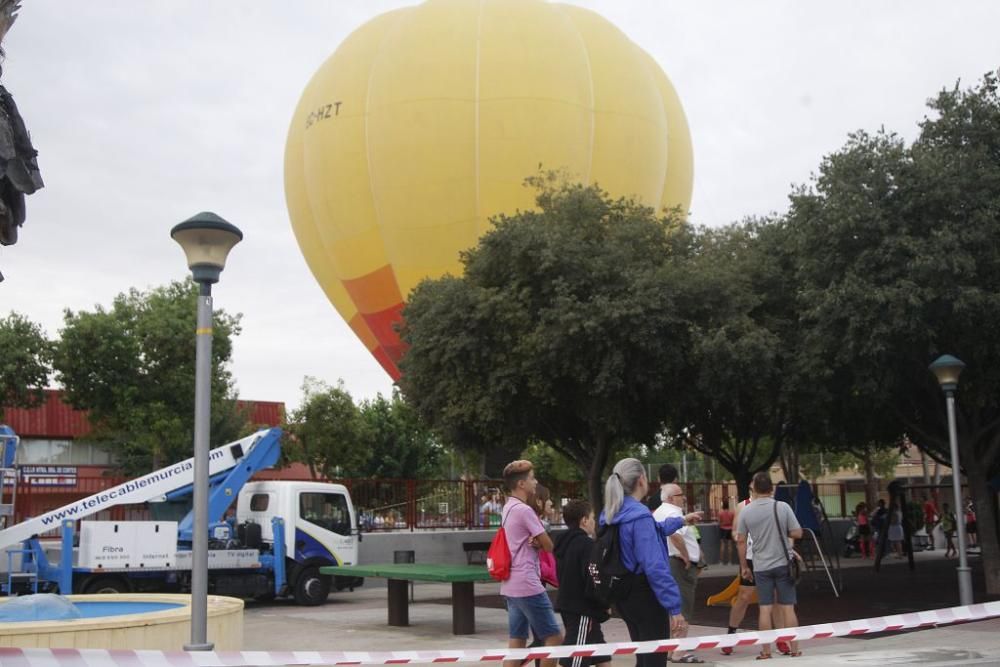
(425, 122)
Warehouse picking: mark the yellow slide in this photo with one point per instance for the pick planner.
(727, 596)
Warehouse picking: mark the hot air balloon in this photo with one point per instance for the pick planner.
(425, 122)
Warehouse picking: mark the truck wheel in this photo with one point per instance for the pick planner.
(107, 585)
(311, 588)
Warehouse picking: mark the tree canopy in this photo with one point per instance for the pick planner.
(133, 365)
(25, 362)
(338, 437)
(898, 262)
(327, 432)
(561, 330)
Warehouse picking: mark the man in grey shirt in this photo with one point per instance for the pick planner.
(770, 524)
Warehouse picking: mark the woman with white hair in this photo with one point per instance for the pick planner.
(652, 608)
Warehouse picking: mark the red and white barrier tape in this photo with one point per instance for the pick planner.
(55, 657)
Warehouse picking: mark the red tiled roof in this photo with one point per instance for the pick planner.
(56, 420)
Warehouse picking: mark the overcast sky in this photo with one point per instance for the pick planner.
(145, 113)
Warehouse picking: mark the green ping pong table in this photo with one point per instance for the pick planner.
(461, 577)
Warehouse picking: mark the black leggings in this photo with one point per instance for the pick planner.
(646, 620)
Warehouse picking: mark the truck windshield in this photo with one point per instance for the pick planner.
(326, 510)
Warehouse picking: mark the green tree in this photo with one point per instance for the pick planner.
(401, 446)
(25, 362)
(900, 262)
(132, 366)
(560, 331)
(744, 380)
(328, 432)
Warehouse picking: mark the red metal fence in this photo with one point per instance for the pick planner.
(395, 504)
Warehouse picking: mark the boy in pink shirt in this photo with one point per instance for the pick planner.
(528, 606)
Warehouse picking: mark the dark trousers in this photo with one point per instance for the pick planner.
(646, 620)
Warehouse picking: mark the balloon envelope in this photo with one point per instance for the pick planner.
(425, 122)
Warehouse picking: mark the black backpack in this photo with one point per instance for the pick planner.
(608, 581)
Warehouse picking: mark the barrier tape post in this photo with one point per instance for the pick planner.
(55, 657)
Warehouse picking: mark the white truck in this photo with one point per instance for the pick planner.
(281, 534)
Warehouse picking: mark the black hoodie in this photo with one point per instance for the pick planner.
(572, 551)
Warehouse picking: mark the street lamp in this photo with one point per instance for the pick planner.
(206, 240)
(947, 369)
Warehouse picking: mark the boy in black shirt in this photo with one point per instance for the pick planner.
(581, 615)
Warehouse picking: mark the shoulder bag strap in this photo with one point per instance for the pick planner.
(782, 534)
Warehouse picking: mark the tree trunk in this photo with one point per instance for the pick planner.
(742, 477)
(986, 524)
(594, 471)
(871, 484)
(790, 464)
(926, 468)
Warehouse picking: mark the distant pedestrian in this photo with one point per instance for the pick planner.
(864, 531)
(879, 520)
(652, 609)
(931, 516)
(771, 524)
(948, 527)
(727, 547)
(895, 532)
(581, 615)
(685, 554)
(528, 605)
(485, 510)
(971, 529)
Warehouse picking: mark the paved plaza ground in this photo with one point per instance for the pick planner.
(357, 620)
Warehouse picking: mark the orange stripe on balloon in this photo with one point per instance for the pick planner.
(374, 292)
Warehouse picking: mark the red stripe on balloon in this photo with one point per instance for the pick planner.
(390, 367)
(383, 324)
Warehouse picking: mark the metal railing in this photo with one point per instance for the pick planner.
(407, 504)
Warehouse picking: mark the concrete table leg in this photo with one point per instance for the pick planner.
(399, 603)
(463, 608)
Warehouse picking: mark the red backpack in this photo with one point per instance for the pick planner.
(498, 557)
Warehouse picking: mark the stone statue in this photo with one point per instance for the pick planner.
(19, 175)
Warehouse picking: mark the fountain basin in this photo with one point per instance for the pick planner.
(158, 621)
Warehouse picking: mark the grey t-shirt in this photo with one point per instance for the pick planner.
(769, 545)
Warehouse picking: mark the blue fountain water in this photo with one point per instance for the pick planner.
(44, 607)
(96, 609)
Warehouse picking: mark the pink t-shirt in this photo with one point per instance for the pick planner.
(521, 524)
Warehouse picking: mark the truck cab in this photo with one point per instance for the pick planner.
(320, 528)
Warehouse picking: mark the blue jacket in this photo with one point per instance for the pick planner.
(644, 551)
